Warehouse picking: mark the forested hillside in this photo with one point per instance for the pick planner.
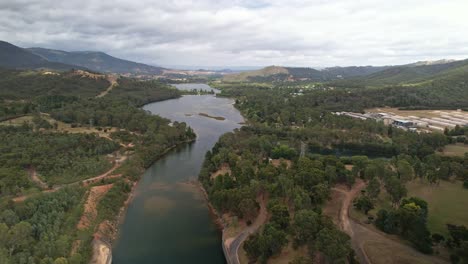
(281, 74)
(13, 57)
(16, 84)
(295, 152)
(59, 141)
(409, 74)
(96, 61)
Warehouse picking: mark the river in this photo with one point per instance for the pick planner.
(168, 221)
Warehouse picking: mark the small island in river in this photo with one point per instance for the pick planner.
(214, 117)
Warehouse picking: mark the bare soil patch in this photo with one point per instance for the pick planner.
(102, 253)
(112, 79)
(90, 213)
(333, 206)
(278, 162)
(223, 170)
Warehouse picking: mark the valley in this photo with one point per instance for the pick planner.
(104, 162)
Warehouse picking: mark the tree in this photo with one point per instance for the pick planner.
(3, 235)
(405, 171)
(334, 244)
(364, 204)
(283, 151)
(371, 171)
(61, 261)
(413, 226)
(19, 237)
(279, 215)
(305, 226)
(9, 217)
(274, 239)
(265, 244)
(330, 172)
(76, 259)
(423, 206)
(320, 193)
(249, 209)
(252, 246)
(360, 164)
(396, 189)
(373, 189)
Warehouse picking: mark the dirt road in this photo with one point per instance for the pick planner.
(345, 222)
(113, 83)
(372, 247)
(107, 174)
(36, 179)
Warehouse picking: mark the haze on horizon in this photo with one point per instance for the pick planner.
(313, 33)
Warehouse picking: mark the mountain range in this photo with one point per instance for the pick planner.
(14, 57)
(357, 75)
(96, 61)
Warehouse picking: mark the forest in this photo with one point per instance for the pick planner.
(384, 157)
(69, 135)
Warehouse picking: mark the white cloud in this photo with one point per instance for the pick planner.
(243, 32)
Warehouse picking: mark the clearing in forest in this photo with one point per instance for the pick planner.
(458, 149)
(448, 203)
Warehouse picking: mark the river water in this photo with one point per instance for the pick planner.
(168, 220)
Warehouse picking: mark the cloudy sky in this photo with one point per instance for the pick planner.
(313, 33)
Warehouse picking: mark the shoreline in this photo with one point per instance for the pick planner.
(122, 211)
(217, 219)
(106, 242)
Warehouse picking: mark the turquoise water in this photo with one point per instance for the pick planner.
(168, 220)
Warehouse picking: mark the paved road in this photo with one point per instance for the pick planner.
(233, 246)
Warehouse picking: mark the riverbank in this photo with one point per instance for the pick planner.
(164, 201)
(108, 230)
(217, 218)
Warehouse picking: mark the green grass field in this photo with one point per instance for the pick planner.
(455, 150)
(448, 203)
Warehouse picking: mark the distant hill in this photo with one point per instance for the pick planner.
(268, 72)
(278, 73)
(410, 74)
(13, 57)
(96, 61)
(28, 84)
(357, 76)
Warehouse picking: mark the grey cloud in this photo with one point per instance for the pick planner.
(243, 32)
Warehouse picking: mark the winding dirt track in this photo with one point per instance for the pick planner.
(362, 237)
(113, 83)
(107, 174)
